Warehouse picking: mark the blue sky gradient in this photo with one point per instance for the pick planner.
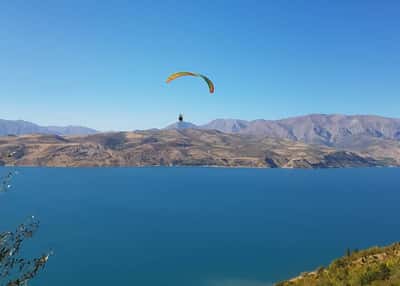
(103, 64)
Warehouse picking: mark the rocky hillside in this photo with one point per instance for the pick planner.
(173, 147)
(329, 130)
(377, 266)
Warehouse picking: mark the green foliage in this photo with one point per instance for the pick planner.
(377, 266)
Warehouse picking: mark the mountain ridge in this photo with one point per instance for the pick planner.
(22, 127)
(326, 129)
(333, 130)
(372, 136)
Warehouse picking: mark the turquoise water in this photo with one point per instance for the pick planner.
(199, 226)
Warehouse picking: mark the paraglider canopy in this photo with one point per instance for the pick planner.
(180, 74)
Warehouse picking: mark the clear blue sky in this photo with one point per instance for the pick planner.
(103, 64)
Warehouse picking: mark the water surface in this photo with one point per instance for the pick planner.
(198, 226)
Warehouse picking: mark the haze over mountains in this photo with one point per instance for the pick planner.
(21, 127)
(182, 125)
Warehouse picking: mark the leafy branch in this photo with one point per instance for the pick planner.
(15, 270)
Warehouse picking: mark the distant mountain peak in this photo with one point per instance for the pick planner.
(227, 125)
(182, 125)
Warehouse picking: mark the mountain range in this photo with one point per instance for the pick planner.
(21, 127)
(331, 130)
(320, 140)
(341, 131)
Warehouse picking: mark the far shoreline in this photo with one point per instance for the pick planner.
(193, 167)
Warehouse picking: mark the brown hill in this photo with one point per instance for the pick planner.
(187, 147)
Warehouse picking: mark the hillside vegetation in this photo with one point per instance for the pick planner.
(377, 266)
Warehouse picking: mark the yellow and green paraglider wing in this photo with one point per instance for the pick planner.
(180, 74)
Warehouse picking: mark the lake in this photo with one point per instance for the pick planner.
(198, 226)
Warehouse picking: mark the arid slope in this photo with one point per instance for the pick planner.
(188, 147)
